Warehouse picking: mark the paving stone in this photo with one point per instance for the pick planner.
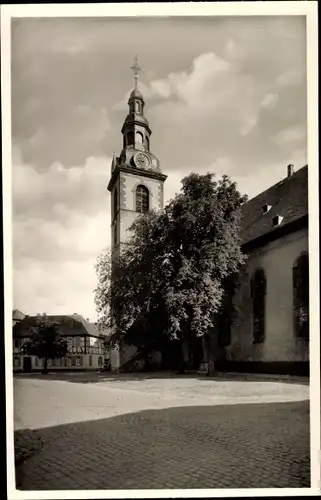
(187, 447)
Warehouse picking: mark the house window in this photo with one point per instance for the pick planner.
(69, 361)
(301, 296)
(73, 360)
(78, 361)
(16, 362)
(276, 221)
(258, 292)
(266, 208)
(77, 341)
(90, 360)
(142, 199)
(100, 361)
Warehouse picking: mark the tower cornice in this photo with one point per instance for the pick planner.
(135, 171)
(136, 120)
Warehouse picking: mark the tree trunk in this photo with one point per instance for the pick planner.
(146, 362)
(211, 372)
(181, 360)
(45, 366)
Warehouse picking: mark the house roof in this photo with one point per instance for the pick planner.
(17, 315)
(288, 198)
(70, 325)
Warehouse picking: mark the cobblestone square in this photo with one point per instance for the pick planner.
(154, 433)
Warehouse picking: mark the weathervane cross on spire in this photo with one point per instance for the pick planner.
(136, 69)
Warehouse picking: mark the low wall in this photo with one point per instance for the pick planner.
(278, 367)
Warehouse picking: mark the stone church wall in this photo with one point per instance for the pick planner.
(280, 344)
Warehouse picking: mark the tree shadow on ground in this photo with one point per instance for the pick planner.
(239, 446)
(84, 377)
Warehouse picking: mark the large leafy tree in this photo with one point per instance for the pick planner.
(46, 342)
(172, 280)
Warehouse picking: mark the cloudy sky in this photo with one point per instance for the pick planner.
(226, 95)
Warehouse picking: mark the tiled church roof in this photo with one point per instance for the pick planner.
(288, 198)
(70, 325)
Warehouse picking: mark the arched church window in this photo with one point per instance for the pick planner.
(115, 202)
(139, 138)
(258, 292)
(301, 296)
(147, 143)
(130, 138)
(142, 199)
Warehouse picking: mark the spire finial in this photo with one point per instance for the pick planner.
(136, 69)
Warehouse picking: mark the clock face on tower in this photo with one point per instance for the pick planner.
(142, 161)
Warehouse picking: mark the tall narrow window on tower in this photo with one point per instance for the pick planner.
(130, 138)
(115, 235)
(142, 199)
(115, 202)
(137, 107)
(258, 292)
(139, 138)
(301, 296)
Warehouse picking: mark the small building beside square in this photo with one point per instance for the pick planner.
(85, 344)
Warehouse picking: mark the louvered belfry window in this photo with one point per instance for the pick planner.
(142, 199)
(301, 296)
(258, 292)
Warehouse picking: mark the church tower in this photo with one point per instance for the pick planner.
(136, 182)
(136, 186)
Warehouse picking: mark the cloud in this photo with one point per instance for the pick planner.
(218, 109)
(269, 101)
(82, 188)
(59, 288)
(67, 135)
(47, 241)
(291, 135)
(292, 77)
(61, 224)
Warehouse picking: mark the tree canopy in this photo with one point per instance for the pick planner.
(171, 280)
(46, 342)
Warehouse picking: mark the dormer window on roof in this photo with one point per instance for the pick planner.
(266, 208)
(277, 220)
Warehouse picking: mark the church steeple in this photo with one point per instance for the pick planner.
(136, 131)
(136, 154)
